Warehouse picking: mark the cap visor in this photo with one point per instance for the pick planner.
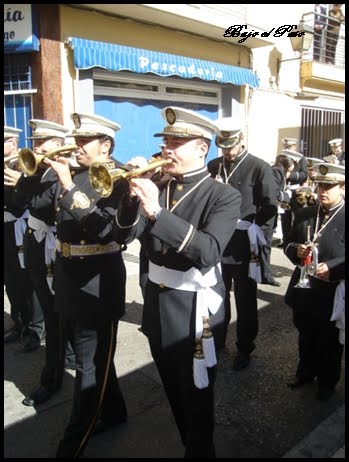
(225, 144)
(178, 135)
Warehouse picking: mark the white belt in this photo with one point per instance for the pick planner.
(41, 231)
(207, 301)
(338, 313)
(257, 239)
(20, 227)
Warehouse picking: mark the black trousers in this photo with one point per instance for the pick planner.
(56, 342)
(245, 293)
(25, 308)
(265, 255)
(192, 408)
(97, 393)
(320, 352)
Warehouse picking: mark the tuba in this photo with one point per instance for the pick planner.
(309, 265)
(102, 179)
(29, 161)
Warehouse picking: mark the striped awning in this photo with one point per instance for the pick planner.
(90, 53)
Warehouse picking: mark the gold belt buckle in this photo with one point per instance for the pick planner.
(65, 249)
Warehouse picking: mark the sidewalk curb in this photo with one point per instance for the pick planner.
(324, 441)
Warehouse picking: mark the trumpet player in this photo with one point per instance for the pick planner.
(336, 154)
(24, 308)
(37, 191)
(90, 282)
(318, 311)
(297, 178)
(186, 223)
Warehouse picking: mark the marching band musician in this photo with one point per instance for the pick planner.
(306, 194)
(26, 312)
(37, 189)
(297, 178)
(90, 279)
(337, 155)
(282, 170)
(318, 234)
(187, 224)
(253, 177)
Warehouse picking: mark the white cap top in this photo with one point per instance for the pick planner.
(312, 161)
(42, 129)
(294, 155)
(90, 125)
(228, 132)
(329, 173)
(335, 142)
(289, 141)
(184, 123)
(11, 132)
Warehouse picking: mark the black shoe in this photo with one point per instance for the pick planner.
(241, 361)
(12, 335)
(324, 393)
(272, 282)
(30, 343)
(38, 396)
(102, 426)
(299, 382)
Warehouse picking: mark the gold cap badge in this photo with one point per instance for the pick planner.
(170, 116)
(323, 169)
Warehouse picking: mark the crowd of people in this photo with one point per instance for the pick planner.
(224, 214)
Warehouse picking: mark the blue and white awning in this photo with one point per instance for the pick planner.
(90, 53)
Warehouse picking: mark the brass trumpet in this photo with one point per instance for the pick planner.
(309, 265)
(284, 205)
(102, 179)
(29, 161)
(10, 161)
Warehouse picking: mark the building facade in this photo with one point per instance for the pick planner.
(126, 62)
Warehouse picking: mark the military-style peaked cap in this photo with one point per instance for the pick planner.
(184, 123)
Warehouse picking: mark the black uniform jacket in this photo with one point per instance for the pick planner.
(280, 183)
(254, 179)
(194, 234)
(10, 204)
(17, 211)
(88, 288)
(299, 174)
(38, 192)
(331, 249)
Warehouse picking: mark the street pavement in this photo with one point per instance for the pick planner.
(257, 415)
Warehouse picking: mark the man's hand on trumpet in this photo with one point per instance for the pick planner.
(11, 177)
(148, 194)
(61, 167)
(304, 251)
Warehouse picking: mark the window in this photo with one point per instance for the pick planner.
(319, 126)
(17, 72)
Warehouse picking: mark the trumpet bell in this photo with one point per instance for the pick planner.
(29, 161)
(102, 179)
